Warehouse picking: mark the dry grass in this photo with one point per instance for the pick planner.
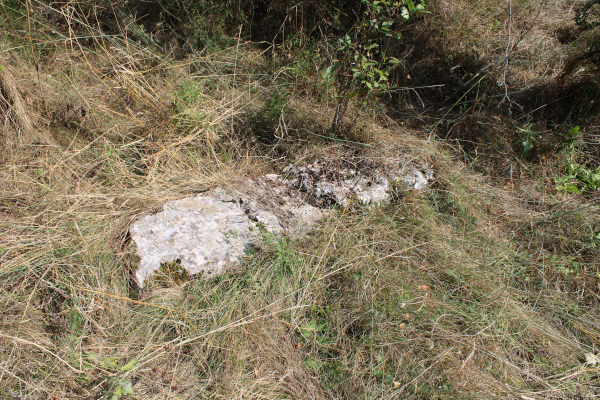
(536, 52)
(468, 289)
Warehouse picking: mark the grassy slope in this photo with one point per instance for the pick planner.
(479, 287)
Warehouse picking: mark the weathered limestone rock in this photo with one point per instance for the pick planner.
(211, 232)
(204, 233)
(371, 186)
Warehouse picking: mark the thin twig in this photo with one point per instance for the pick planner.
(506, 58)
(37, 67)
(7, 15)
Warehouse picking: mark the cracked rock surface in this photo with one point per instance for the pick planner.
(326, 183)
(213, 231)
(202, 232)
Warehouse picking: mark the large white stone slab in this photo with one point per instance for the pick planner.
(211, 232)
(206, 234)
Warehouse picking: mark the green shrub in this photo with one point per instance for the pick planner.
(363, 65)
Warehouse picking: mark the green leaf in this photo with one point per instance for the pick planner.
(332, 68)
(411, 5)
(2, 69)
(527, 146)
(110, 363)
(573, 131)
(564, 185)
(571, 189)
(129, 366)
(405, 13)
(126, 388)
(328, 71)
(526, 129)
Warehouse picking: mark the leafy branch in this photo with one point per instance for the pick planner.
(362, 68)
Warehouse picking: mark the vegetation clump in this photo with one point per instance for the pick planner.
(170, 273)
